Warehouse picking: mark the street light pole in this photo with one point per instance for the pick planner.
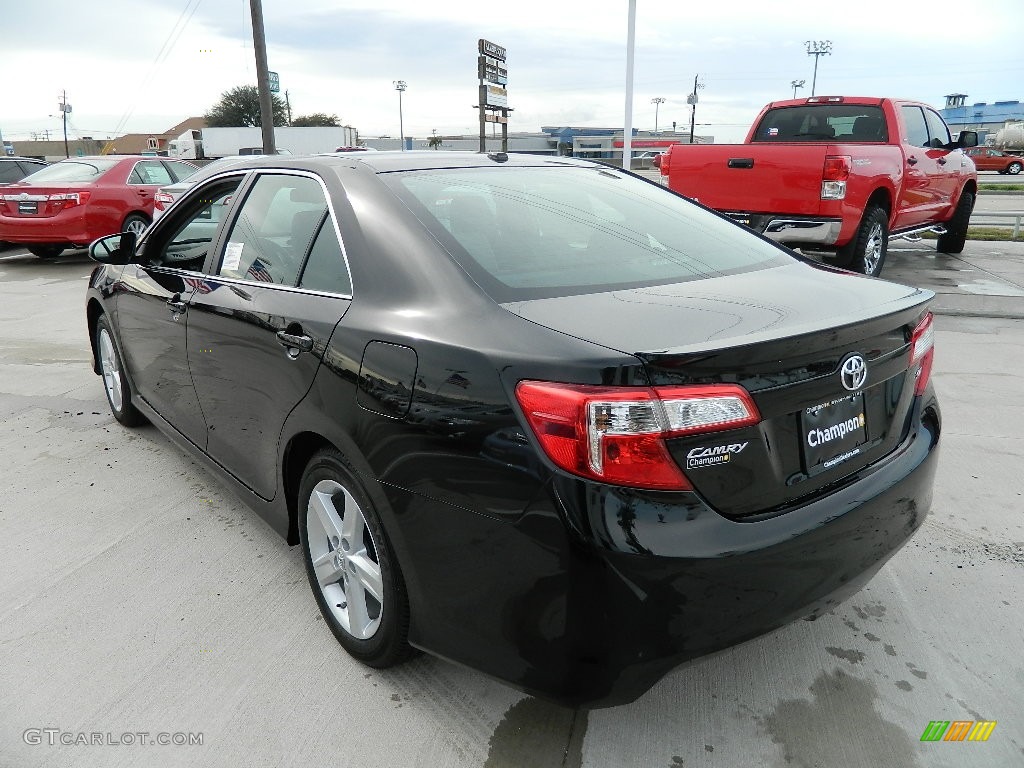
(797, 84)
(657, 101)
(817, 48)
(400, 86)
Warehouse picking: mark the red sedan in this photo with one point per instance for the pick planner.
(988, 159)
(75, 201)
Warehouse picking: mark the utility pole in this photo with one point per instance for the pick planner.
(259, 39)
(797, 84)
(692, 101)
(288, 107)
(657, 101)
(400, 86)
(64, 109)
(817, 48)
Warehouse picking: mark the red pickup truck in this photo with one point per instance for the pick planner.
(839, 175)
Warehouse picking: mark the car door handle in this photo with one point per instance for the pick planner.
(291, 341)
(175, 304)
(911, 160)
(740, 162)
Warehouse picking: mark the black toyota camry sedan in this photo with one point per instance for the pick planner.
(533, 415)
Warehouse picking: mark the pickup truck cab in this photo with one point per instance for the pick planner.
(838, 175)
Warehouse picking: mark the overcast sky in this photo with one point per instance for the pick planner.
(144, 65)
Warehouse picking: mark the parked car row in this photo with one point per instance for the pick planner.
(75, 201)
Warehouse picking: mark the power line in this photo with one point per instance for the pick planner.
(165, 50)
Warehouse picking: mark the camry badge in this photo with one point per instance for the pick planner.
(853, 372)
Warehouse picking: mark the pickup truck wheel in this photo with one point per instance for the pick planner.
(1014, 168)
(956, 228)
(866, 252)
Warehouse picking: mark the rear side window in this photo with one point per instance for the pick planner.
(533, 232)
(848, 123)
(325, 268)
(269, 238)
(150, 172)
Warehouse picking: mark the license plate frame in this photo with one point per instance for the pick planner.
(28, 207)
(832, 433)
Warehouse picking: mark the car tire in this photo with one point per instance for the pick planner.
(135, 222)
(956, 228)
(866, 252)
(46, 250)
(351, 566)
(115, 381)
(1014, 168)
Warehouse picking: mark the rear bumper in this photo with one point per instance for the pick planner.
(597, 592)
(792, 230)
(67, 227)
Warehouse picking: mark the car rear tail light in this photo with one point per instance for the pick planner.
(163, 200)
(825, 99)
(922, 353)
(617, 434)
(834, 174)
(67, 200)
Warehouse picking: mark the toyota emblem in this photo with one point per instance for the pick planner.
(853, 372)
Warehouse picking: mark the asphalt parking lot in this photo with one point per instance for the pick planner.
(142, 603)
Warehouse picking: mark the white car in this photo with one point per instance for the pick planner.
(165, 196)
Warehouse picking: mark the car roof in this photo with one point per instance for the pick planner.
(414, 160)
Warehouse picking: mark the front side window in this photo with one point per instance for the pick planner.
(533, 232)
(185, 241)
(274, 228)
(937, 131)
(916, 127)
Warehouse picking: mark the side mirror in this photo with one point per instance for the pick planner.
(967, 139)
(114, 249)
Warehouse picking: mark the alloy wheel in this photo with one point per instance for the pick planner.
(344, 558)
(873, 250)
(111, 370)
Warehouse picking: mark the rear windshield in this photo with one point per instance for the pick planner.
(526, 233)
(848, 123)
(73, 170)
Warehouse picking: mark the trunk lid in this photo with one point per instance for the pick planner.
(783, 334)
(27, 200)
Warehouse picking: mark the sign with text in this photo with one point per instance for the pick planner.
(495, 51)
(274, 81)
(493, 96)
(492, 70)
